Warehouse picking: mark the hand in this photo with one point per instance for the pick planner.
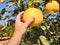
(21, 27)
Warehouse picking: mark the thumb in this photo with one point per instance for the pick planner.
(29, 21)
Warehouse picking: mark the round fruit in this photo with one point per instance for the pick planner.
(33, 12)
(52, 6)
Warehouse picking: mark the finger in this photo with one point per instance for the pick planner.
(19, 16)
(29, 21)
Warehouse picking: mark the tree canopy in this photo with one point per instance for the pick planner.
(48, 33)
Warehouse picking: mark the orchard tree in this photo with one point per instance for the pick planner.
(48, 33)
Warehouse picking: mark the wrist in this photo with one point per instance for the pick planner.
(17, 34)
(20, 32)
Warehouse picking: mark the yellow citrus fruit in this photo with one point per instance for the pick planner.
(33, 12)
(52, 6)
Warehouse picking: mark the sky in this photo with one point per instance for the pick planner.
(3, 5)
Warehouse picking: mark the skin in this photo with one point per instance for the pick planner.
(20, 29)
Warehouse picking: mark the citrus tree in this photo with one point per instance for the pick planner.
(47, 33)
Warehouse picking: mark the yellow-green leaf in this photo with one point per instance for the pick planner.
(44, 40)
(43, 27)
(1, 1)
(30, 3)
(19, 1)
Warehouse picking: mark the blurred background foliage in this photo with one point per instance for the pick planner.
(48, 33)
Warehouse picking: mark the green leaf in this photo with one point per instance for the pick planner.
(3, 11)
(10, 4)
(11, 0)
(0, 17)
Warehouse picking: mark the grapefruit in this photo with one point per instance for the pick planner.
(33, 12)
(52, 6)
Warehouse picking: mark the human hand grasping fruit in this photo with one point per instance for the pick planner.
(21, 27)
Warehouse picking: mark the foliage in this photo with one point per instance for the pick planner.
(48, 33)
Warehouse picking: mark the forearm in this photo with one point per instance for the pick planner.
(16, 39)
